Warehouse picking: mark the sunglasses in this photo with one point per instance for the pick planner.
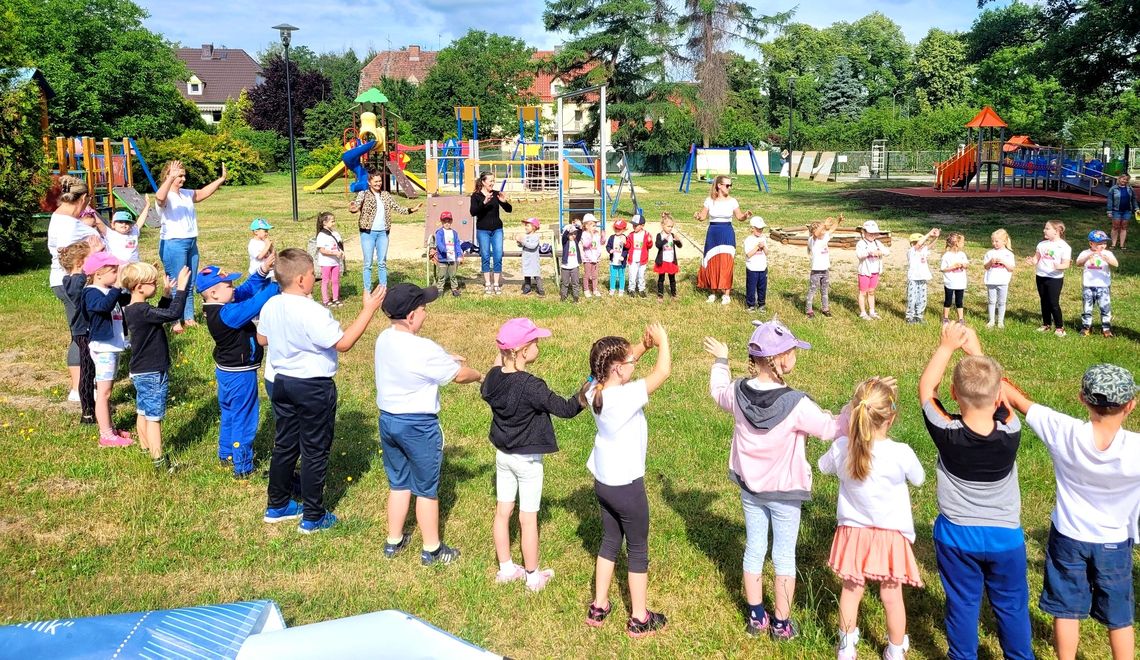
(726, 185)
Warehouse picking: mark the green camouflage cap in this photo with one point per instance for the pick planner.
(1108, 385)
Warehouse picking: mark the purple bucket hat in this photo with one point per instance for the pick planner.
(773, 338)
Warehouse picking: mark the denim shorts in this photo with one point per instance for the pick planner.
(1121, 217)
(412, 450)
(1083, 579)
(150, 394)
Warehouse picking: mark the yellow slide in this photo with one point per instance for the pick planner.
(325, 180)
(416, 180)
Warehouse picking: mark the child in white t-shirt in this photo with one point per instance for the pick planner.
(123, 239)
(870, 252)
(330, 256)
(1096, 282)
(756, 265)
(819, 233)
(918, 274)
(260, 246)
(998, 264)
(954, 262)
(1051, 259)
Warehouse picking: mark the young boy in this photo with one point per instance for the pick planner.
(237, 356)
(918, 274)
(260, 246)
(123, 239)
(1097, 282)
(571, 280)
(819, 235)
(637, 245)
(150, 351)
(447, 253)
(303, 340)
(528, 242)
(756, 266)
(1088, 560)
(409, 371)
(978, 540)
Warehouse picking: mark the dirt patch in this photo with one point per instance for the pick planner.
(20, 373)
(956, 207)
(62, 487)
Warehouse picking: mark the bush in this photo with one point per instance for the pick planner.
(202, 155)
(321, 160)
(270, 147)
(23, 173)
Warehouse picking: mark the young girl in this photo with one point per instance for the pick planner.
(954, 262)
(768, 461)
(819, 233)
(665, 263)
(593, 242)
(71, 258)
(875, 527)
(521, 431)
(618, 465)
(101, 307)
(918, 274)
(999, 263)
(330, 253)
(529, 242)
(1052, 257)
(870, 252)
(756, 265)
(615, 248)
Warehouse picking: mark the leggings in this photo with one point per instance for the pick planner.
(625, 514)
(996, 295)
(783, 517)
(86, 377)
(74, 355)
(953, 297)
(1049, 290)
(617, 278)
(330, 279)
(915, 299)
(590, 276)
(661, 284)
(819, 279)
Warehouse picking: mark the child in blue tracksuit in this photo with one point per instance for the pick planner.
(448, 254)
(237, 355)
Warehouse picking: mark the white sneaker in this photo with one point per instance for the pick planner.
(1001, 324)
(712, 298)
(611, 293)
(73, 396)
(887, 655)
(588, 294)
(621, 292)
(725, 299)
(990, 324)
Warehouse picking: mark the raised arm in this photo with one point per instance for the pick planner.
(953, 338)
(372, 301)
(720, 377)
(167, 183)
(202, 194)
(1110, 258)
(664, 366)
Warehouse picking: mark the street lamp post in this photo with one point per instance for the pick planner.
(791, 114)
(286, 31)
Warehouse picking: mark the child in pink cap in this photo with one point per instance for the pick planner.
(103, 303)
(521, 431)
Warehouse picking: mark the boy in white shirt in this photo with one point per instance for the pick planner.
(1096, 282)
(918, 274)
(304, 340)
(123, 239)
(819, 233)
(1088, 561)
(409, 371)
(756, 266)
(260, 246)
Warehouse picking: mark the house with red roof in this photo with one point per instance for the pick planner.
(216, 76)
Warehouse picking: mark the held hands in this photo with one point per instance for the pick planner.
(374, 298)
(716, 348)
(270, 259)
(956, 335)
(183, 278)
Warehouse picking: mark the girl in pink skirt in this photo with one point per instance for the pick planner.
(875, 528)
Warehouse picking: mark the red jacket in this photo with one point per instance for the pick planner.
(639, 253)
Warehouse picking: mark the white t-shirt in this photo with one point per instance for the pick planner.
(380, 222)
(572, 258)
(302, 336)
(255, 248)
(1098, 492)
(327, 242)
(758, 261)
(881, 500)
(998, 275)
(618, 457)
(179, 220)
(820, 258)
(917, 266)
(1049, 255)
(409, 371)
(125, 247)
(955, 280)
(63, 230)
(450, 245)
(1097, 271)
(869, 265)
(669, 251)
(721, 210)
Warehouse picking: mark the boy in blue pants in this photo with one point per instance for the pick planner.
(237, 355)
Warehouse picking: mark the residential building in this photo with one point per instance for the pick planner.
(216, 76)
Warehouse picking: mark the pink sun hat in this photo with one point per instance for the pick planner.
(95, 261)
(519, 332)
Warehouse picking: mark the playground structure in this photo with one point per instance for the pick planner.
(713, 166)
(107, 167)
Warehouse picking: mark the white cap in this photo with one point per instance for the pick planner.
(589, 217)
(871, 227)
(758, 222)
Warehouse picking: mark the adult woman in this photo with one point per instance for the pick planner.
(1122, 207)
(70, 224)
(720, 242)
(376, 207)
(485, 205)
(178, 238)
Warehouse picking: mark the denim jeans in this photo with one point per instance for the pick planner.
(784, 518)
(176, 253)
(490, 242)
(374, 244)
(756, 288)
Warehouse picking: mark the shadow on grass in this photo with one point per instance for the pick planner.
(457, 468)
(583, 504)
(353, 450)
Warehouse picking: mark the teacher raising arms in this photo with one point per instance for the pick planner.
(376, 207)
(720, 208)
(485, 205)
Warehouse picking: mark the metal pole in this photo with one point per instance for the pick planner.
(604, 139)
(292, 148)
(791, 114)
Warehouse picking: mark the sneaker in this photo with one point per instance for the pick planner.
(319, 525)
(611, 293)
(526, 290)
(243, 476)
(87, 419)
(875, 316)
(596, 616)
(905, 648)
(751, 309)
(660, 299)
(442, 555)
(541, 578)
(164, 465)
(1107, 332)
(393, 549)
(519, 573)
(642, 293)
(786, 632)
(724, 300)
(455, 293)
(1060, 332)
(621, 292)
(825, 312)
(945, 320)
(864, 316)
(1085, 332)
(114, 441)
(653, 622)
(487, 290)
(755, 627)
(763, 309)
(498, 290)
(1001, 325)
(990, 324)
(337, 303)
(290, 511)
(711, 298)
(588, 294)
(541, 292)
(226, 463)
(1044, 328)
(73, 396)
(847, 644)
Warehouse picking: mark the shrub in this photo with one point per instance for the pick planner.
(202, 155)
(321, 160)
(23, 173)
(270, 147)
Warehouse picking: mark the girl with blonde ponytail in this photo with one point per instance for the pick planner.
(875, 527)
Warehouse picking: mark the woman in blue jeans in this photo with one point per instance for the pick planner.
(485, 205)
(376, 207)
(178, 238)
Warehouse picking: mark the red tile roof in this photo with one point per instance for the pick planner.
(224, 72)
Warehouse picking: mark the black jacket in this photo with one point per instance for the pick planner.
(661, 242)
(521, 406)
(150, 348)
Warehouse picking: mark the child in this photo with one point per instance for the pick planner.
(123, 239)
(617, 462)
(665, 263)
(637, 246)
(102, 307)
(71, 258)
(330, 254)
(260, 246)
(953, 267)
(978, 540)
(409, 371)
(875, 526)
(1122, 207)
(999, 263)
(1088, 560)
(918, 274)
(303, 340)
(150, 351)
(756, 266)
(521, 431)
(531, 263)
(1052, 257)
(571, 258)
(618, 253)
(593, 241)
(448, 253)
(819, 233)
(1096, 282)
(870, 252)
(768, 462)
(237, 355)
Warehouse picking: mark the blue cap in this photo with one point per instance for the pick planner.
(211, 276)
(123, 216)
(259, 223)
(1098, 236)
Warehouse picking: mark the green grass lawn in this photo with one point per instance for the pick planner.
(90, 531)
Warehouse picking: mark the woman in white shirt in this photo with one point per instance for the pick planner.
(720, 209)
(178, 238)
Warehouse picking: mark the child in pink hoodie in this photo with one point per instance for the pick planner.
(768, 461)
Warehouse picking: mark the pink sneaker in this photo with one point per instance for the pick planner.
(123, 434)
(115, 441)
(518, 574)
(541, 578)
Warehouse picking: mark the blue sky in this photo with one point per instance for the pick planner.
(380, 24)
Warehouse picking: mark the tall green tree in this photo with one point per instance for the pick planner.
(841, 95)
(940, 75)
(879, 53)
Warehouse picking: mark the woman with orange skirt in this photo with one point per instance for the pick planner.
(720, 209)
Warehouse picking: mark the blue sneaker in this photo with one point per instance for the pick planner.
(290, 511)
(318, 525)
(444, 554)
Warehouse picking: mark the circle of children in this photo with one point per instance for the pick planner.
(978, 538)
